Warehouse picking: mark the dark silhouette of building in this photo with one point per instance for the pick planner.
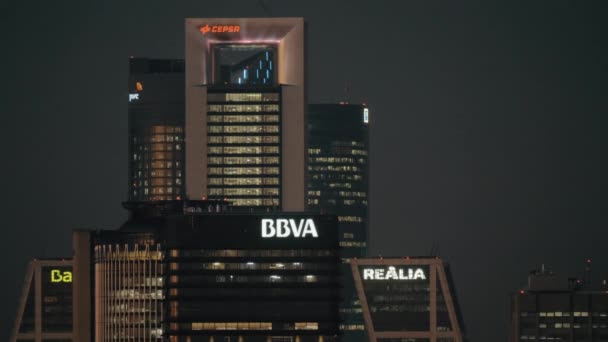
(552, 308)
(156, 129)
(338, 183)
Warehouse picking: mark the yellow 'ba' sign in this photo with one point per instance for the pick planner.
(58, 276)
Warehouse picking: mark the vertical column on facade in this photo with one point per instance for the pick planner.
(433, 301)
(113, 280)
(155, 282)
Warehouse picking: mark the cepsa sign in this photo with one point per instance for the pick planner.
(219, 28)
(393, 273)
(58, 276)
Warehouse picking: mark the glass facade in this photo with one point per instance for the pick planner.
(261, 289)
(398, 305)
(338, 183)
(157, 163)
(156, 130)
(244, 64)
(243, 146)
(129, 292)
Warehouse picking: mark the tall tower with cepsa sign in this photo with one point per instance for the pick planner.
(245, 111)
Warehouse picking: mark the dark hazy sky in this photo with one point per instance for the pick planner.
(488, 133)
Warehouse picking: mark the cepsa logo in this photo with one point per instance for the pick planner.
(219, 28)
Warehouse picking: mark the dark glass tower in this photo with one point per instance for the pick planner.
(338, 183)
(156, 129)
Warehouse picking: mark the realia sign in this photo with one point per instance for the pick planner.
(393, 273)
(284, 228)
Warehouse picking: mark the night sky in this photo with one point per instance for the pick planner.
(487, 136)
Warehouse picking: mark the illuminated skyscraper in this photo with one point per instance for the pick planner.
(245, 111)
(338, 183)
(156, 129)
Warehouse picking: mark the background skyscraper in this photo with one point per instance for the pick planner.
(338, 183)
(156, 129)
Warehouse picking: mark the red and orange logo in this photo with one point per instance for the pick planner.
(219, 28)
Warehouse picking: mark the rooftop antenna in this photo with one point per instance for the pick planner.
(587, 278)
(346, 93)
(434, 249)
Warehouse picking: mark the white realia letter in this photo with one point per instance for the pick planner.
(268, 229)
(368, 273)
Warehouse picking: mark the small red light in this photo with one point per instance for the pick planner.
(522, 292)
(178, 198)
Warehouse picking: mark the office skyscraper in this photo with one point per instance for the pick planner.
(156, 129)
(338, 183)
(551, 308)
(245, 111)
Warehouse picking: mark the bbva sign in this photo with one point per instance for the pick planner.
(58, 276)
(392, 273)
(284, 228)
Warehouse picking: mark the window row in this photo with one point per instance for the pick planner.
(159, 164)
(249, 202)
(156, 138)
(265, 139)
(253, 108)
(334, 168)
(243, 97)
(158, 146)
(244, 129)
(274, 278)
(157, 156)
(243, 149)
(234, 253)
(227, 171)
(242, 160)
(158, 182)
(166, 129)
(244, 181)
(159, 191)
(250, 265)
(244, 192)
(243, 118)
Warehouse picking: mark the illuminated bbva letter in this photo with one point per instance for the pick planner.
(268, 229)
(282, 228)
